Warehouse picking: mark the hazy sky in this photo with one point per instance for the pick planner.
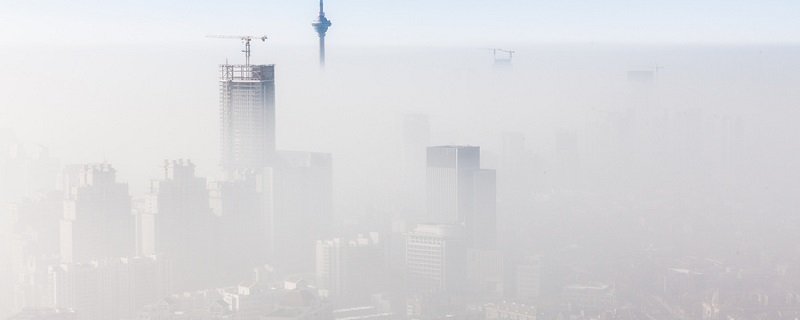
(408, 22)
(135, 105)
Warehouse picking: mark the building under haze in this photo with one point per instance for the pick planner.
(303, 207)
(416, 138)
(241, 226)
(273, 205)
(98, 220)
(528, 278)
(179, 205)
(44, 313)
(27, 170)
(512, 176)
(450, 170)
(350, 268)
(436, 257)
(247, 116)
(460, 193)
(35, 244)
(109, 288)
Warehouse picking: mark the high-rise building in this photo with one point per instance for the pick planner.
(7, 277)
(485, 273)
(27, 170)
(303, 207)
(459, 192)
(481, 223)
(37, 223)
(241, 204)
(416, 137)
(98, 220)
(435, 258)
(242, 207)
(350, 268)
(179, 204)
(528, 278)
(450, 170)
(567, 153)
(35, 245)
(247, 116)
(511, 174)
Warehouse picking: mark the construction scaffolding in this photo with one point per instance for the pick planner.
(247, 116)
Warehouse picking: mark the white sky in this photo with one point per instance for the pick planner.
(409, 22)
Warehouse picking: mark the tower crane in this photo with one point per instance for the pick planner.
(245, 39)
(509, 52)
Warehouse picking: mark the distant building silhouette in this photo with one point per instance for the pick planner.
(416, 138)
(45, 313)
(179, 205)
(459, 192)
(450, 170)
(436, 257)
(350, 269)
(641, 76)
(26, 170)
(110, 288)
(528, 278)
(97, 222)
(242, 207)
(273, 205)
(303, 207)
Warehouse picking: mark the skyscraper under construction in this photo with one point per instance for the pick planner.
(247, 116)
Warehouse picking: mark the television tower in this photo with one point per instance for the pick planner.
(321, 25)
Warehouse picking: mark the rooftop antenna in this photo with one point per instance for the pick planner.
(246, 40)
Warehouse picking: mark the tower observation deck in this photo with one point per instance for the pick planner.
(321, 25)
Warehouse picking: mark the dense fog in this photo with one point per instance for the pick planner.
(565, 180)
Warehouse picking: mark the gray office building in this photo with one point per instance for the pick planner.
(97, 220)
(459, 192)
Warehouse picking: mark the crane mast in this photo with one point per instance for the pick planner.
(245, 39)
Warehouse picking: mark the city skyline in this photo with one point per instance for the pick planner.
(632, 161)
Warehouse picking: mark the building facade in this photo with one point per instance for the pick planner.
(449, 182)
(110, 288)
(303, 207)
(460, 193)
(179, 206)
(247, 116)
(98, 220)
(436, 258)
(350, 268)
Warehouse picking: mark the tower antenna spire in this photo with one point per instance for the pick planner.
(321, 26)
